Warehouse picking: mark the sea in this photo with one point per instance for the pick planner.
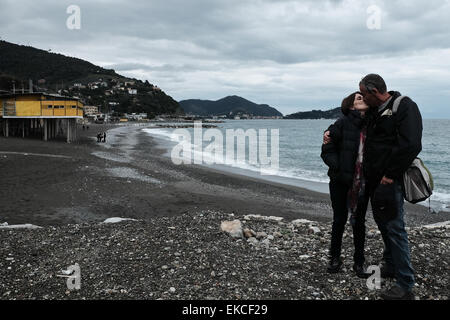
(299, 146)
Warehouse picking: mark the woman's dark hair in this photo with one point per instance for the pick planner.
(348, 102)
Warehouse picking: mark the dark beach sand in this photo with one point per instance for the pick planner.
(128, 177)
(176, 249)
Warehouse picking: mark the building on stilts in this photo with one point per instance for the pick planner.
(41, 115)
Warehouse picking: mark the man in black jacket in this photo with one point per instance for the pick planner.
(393, 141)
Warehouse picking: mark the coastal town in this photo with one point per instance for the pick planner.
(106, 113)
(34, 111)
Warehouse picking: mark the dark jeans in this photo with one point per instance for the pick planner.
(338, 194)
(396, 253)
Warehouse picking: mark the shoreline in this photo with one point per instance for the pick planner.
(165, 144)
(175, 249)
(316, 186)
(302, 184)
(129, 176)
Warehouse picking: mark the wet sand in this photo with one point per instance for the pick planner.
(55, 183)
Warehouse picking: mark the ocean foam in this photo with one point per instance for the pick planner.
(220, 159)
(440, 200)
(441, 197)
(161, 132)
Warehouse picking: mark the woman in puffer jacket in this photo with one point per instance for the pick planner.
(344, 157)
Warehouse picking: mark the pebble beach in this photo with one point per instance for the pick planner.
(174, 247)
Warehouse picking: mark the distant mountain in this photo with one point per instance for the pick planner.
(52, 72)
(228, 106)
(316, 114)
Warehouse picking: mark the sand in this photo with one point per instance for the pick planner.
(55, 197)
(55, 183)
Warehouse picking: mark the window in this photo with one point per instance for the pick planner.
(49, 106)
(74, 107)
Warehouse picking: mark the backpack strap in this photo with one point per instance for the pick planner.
(397, 104)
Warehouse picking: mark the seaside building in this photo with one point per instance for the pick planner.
(38, 114)
(136, 116)
(90, 110)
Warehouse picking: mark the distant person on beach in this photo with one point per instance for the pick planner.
(104, 136)
(99, 136)
(393, 141)
(344, 156)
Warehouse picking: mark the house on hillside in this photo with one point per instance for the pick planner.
(90, 110)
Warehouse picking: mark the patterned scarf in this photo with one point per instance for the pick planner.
(359, 183)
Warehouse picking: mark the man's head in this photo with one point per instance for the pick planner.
(373, 88)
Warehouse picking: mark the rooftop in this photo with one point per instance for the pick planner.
(47, 95)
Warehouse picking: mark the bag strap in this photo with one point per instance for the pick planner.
(397, 104)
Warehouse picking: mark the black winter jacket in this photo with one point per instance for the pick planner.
(340, 154)
(393, 141)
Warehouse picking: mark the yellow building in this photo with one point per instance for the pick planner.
(40, 115)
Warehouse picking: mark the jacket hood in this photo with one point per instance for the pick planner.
(394, 94)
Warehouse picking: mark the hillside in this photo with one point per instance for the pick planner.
(316, 114)
(52, 72)
(229, 106)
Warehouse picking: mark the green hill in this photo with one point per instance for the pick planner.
(228, 106)
(316, 114)
(52, 72)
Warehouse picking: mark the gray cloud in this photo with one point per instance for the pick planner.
(159, 68)
(292, 54)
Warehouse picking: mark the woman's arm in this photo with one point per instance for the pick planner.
(330, 155)
(336, 130)
(330, 151)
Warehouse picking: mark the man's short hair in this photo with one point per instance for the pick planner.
(374, 81)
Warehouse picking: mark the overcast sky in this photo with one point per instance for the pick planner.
(292, 55)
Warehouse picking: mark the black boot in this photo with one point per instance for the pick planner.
(334, 265)
(361, 271)
(397, 293)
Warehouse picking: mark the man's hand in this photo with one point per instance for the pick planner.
(386, 180)
(326, 137)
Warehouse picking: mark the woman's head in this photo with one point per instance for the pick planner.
(354, 101)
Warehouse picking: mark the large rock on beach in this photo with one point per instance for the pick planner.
(233, 228)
